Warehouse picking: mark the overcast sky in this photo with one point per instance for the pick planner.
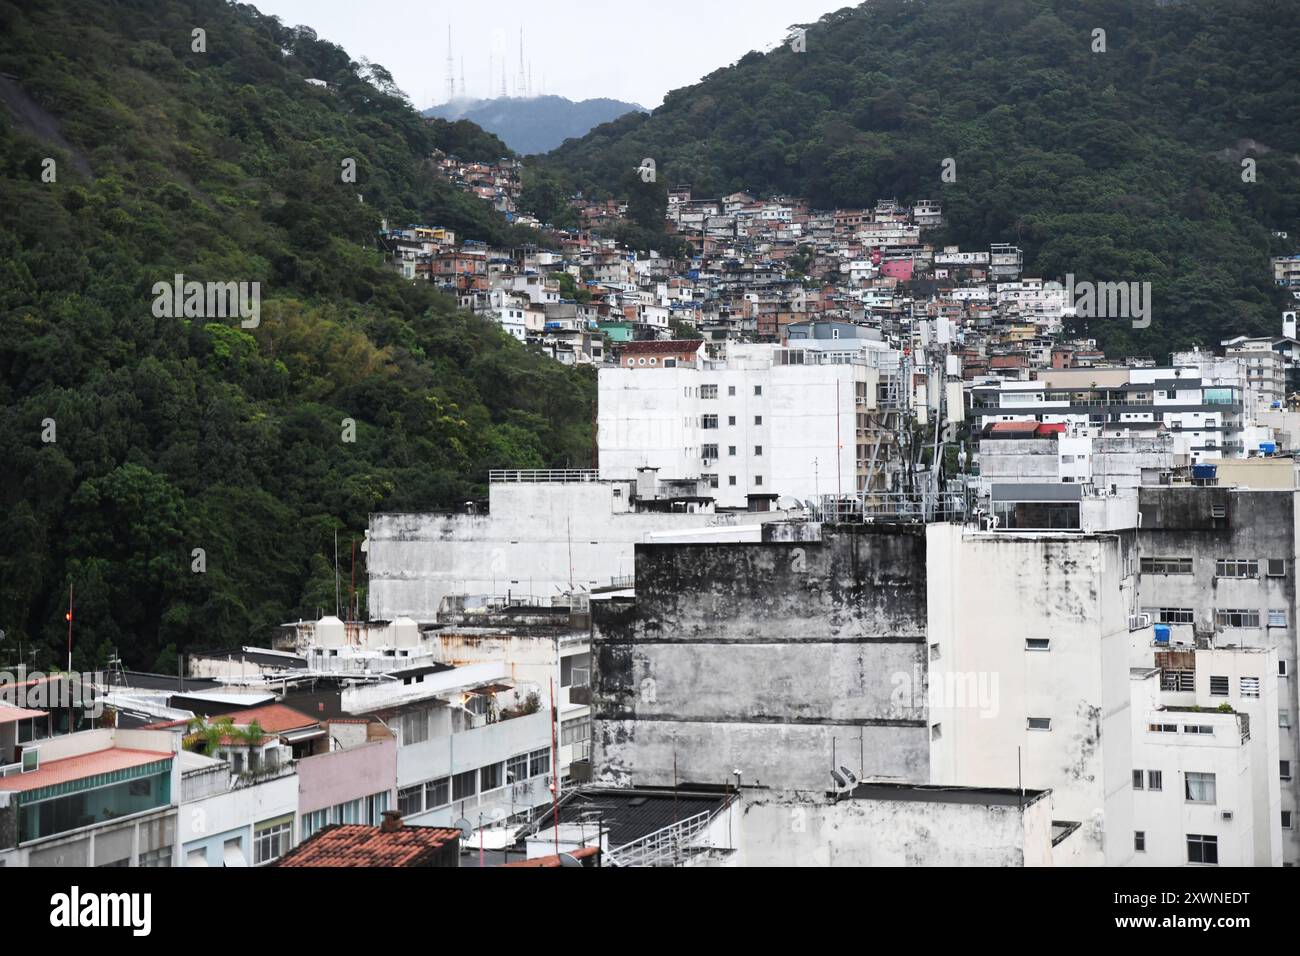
(632, 51)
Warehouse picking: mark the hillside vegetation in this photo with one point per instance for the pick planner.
(1123, 165)
(176, 434)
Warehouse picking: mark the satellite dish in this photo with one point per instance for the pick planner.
(849, 776)
(569, 860)
(464, 826)
(838, 783)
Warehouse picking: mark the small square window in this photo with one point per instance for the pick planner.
(1139, 779)
(731, 480)
(758, 389)
(1039, 723)
(1155, 780)
(1219, 686)
(758, 419)
(1140, 841)
(1038, 643)
(731, 390)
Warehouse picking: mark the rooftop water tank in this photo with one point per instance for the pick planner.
(330, 632)
(1162, 633)
(1205, 472)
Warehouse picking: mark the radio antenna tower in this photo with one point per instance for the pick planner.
(451, 69)
(521, 84)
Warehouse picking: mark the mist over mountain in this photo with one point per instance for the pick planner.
(535, 124)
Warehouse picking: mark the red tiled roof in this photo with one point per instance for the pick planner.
(355, 845)
(670, 346)
(1003, 428)
(272, 718)
(582, 853)
(9, 714)
(81, 766)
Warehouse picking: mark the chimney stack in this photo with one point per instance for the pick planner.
(392, 821)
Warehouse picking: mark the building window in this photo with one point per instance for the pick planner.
(160, 857)
(758, 390)
(1039, 723)
(934, 652)
(1178, 681)
(1199, 787)
(517, 768)
(1236, 568)
(1277, 617)
(708, 391)
(1281, 669)
(1162, 728)
(1166, 566)
(758, 481)
(1284, 769)
(731, 450)
(1250, 687)
(1286, 819)
(490, 777)
(731, 420)
(1219, 686)
(463, 784)
(1202, 849)
(1140, 841)
(414, 728)
(1155, 780)
(1205, 730)
(539, 762)
(731, 390)
(1038, 643)
(731, 480)
(272, 839)
(708, 451)
(758, 451)
(1236, 618)
(1276, 567)
(936, 731)
(708, 421)
(1172, 615)
(758, 419)
(410, 800)
(1139, 778)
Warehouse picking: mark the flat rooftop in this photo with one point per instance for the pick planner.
(924, 793)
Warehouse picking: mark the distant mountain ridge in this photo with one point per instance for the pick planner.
(536, 124)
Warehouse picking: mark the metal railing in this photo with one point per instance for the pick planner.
(872, 507)
(664, 846)
(556, 475)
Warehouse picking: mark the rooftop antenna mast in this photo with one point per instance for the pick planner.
(451, 67)
(521, 82)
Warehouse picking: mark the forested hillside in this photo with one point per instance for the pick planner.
(127, 441)
(1123, 165)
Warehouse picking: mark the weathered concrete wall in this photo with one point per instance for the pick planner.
(785, 829)
(539, 539)
(989, 595)
(767, 659)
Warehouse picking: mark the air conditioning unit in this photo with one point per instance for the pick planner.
(708, 462)
(1138, 621)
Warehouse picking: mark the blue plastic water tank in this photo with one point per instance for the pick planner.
(1204, 471)
(1162, 633)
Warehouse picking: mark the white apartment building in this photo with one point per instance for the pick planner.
(765, 423)
(1204, 416)
(1205, 754)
